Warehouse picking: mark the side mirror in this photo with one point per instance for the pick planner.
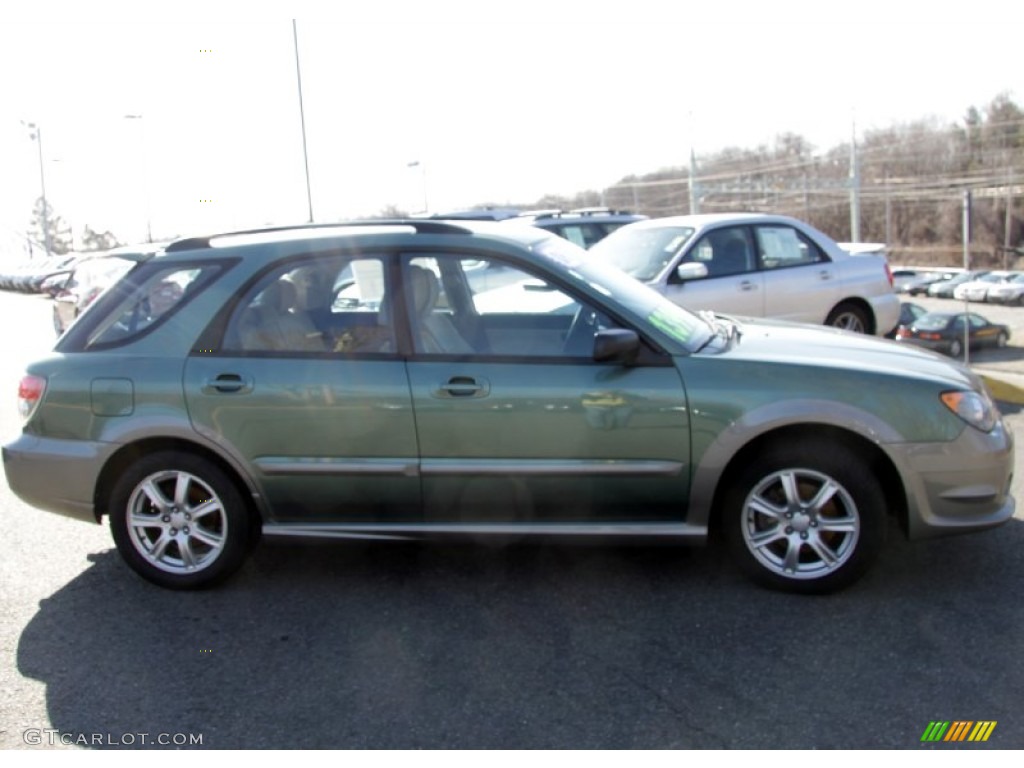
(616, 345)
(691, 270)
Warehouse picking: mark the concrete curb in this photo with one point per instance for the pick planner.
(1005, 387)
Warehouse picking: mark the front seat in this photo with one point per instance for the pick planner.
(434, 332)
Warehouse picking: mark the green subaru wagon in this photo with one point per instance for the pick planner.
(418, 379)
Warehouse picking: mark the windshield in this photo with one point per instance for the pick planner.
(680, 325)
(643, 252)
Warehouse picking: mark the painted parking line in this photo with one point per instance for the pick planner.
(1003, 390)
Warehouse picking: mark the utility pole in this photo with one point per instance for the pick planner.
(36, 134)
(694, 192)
(854, 188)
(967, 266)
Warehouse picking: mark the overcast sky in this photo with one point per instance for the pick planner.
(497, 103)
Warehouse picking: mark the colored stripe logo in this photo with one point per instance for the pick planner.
(959, 730)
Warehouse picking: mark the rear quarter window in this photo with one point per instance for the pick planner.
(157, 296)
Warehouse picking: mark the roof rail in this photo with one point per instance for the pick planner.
(424, 226)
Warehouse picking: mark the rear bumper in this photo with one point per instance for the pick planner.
(56, 475)
(886, 309)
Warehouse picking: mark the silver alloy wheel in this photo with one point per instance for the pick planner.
(849, 321)
(800, 524)
(176, 522)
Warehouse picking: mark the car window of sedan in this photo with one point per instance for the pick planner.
(781, 246)
(723, 252)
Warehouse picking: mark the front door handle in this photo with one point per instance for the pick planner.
(228, 383)
(464, 386)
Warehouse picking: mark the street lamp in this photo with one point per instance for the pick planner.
(145, 175)
(36, 134)
(423, 177)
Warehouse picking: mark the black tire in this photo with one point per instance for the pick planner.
(783, 536)
(1001, 340)
(849, 317)
(179, 521)
(956, 349)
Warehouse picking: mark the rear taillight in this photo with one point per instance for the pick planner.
(30, 393)
(888, 275)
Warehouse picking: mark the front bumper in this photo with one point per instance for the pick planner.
(56, 475)
(959, 486)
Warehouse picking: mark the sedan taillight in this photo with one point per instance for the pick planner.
(30, 393)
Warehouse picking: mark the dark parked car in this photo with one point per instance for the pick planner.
(944, 332)
(413, 379)
(583, 226)
(908, 314)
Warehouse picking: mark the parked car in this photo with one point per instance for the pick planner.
(28, 276)
(359, 382)
(902, 277)
(1008, 292)
(944, 289)
(583, 226)
(909, 312)
(920, 285)
(944, 332)
(89, 279)
(757, 265)
(977, 290)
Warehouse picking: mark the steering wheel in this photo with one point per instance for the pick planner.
(579, 340)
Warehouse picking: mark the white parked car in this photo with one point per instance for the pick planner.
(977, 290)
(757, 265)
(1010, 292)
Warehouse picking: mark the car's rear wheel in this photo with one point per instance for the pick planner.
(806, 518)
(849, 317)
(955, 348)
(179, 521)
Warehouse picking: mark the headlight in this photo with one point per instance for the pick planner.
(976, 408)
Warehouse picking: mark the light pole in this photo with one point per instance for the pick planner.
(145, 174)
(302, 120)
(36, 134)
(423, 178)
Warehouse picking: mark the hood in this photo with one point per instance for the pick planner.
(771, 341)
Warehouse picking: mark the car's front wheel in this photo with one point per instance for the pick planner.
(806, 517)
(179, 521)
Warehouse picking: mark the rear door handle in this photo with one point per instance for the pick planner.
(464, 386)
(228, 383)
